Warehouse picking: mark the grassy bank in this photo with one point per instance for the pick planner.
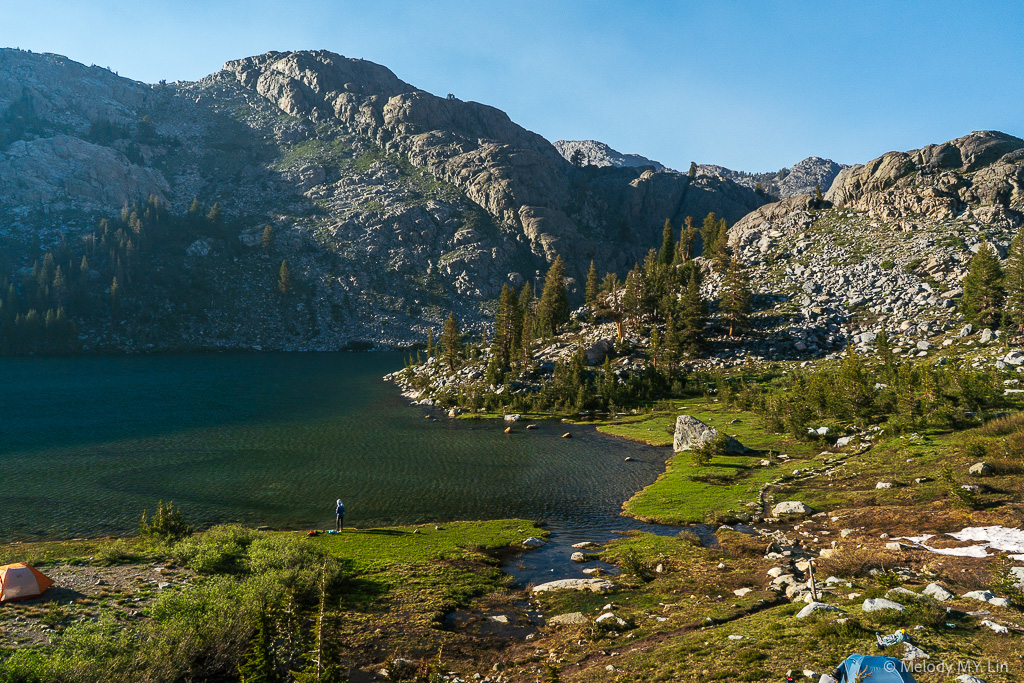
(194, 609)
(720, 490)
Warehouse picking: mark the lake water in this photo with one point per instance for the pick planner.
(87, 443)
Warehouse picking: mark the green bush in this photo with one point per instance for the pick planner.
(222, 549)
(168, 524)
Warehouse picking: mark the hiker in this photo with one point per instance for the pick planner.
(340, 512)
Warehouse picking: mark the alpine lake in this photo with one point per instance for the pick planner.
(88, 443)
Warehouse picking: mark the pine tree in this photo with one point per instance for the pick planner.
(431, 349)
(735, 303)
(1013, 283)
(667, 253)
(983, 288)
(692, 173)
(592, 286)
(214, 217)
(284, 278)
(692, 317)
(852, 385)
(688, 235)
(508, 327)
(655, 349)
(553, 308)
(670, 347)
(259, 665)
(451, 342)
(709, 235)
(268, 237)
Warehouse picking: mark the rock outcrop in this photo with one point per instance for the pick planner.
(594, 153)
(806, 177)
(982, 173)
(691, 434)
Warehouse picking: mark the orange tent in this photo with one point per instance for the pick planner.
(20, 581)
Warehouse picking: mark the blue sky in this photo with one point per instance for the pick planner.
(753, 85)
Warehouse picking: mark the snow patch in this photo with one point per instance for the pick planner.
(989, 537)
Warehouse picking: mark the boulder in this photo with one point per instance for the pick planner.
(598, 351)
(790, 507)
(816, 607)
(986, 336)
(593, 585)
(878, 604)
(691, 433)
(980, 596)
(612, 618)
(981, 469)
(1014, 357)
(578, 557)
(513, 417)
(938, 591)
(568, 619)
(534, 542)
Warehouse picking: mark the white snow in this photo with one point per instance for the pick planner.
(989, 537)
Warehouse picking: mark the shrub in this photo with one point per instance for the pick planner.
(222, 549)
(634, 566)
(117, 552)
(887, 264)
(168, 524)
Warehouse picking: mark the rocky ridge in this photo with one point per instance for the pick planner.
(594, 153)
(803, 178)
(391, 205)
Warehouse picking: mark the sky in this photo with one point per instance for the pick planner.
(753, 85)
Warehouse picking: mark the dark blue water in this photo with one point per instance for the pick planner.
(87, 443)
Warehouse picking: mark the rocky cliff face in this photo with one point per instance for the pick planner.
(804, 178)
(889, 247)
(594, 153)
(391, 205)
(981, 172)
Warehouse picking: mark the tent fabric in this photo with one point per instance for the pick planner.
(880, 670)
(20, 581)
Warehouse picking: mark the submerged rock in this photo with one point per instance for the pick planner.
(594, 585)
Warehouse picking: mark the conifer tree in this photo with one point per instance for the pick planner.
(709, 234)
(1013, 283)
(259, 665)
(592, 285)
(431, 348)
(852, 385)
(735, 302)
(655, 349)
(692, 316)
(553, 308)
(268, 237)
(983, 288)
(451, 342)
(284, 278)
(667, 253)
(687, 237)
(692, 173)
(508, 327)
(670, 347)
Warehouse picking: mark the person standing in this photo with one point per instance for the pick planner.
(340, 512)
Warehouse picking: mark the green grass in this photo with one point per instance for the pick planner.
(376, 549)
(723, 487)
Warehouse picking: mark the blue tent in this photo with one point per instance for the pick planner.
(881, 670)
